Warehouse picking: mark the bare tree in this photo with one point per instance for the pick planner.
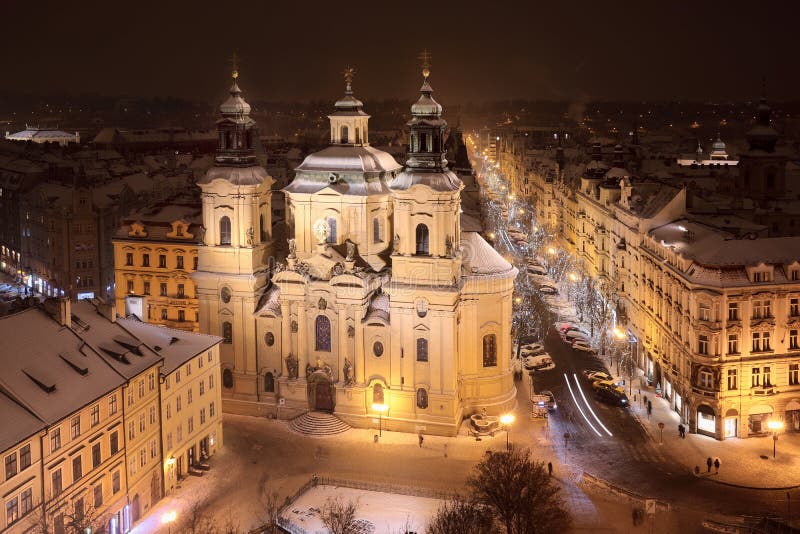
(72, 516)
(338, 516)
(269, 502)
(519, 492)
(459, 516)
(198, 521)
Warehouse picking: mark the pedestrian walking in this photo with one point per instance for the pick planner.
(680, 430)
(550, 468)
(421, 439)
(716, 466)
(644, 400)
(445, 450)
(709, 463)
(649, 408)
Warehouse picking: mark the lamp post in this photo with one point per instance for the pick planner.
(775, 426)
(506, 420)
(168, 518)
(380, 408)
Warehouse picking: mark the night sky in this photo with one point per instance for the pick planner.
(482, 51)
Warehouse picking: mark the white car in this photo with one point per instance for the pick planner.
(533, 348)
(582, 346)
(574, 335)
(548, 290)
(544, 399)
(542, 362)
(597, 375)
(536, 269)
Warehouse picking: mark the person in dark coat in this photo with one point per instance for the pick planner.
(550, 468)
(716, 465)
(709, 463)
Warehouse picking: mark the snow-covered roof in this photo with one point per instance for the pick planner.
(438, 181)
(253, 175)
(481, 259)
(309, 183)
(270, 302)
(176, 346)
(343, 158)
(43, 135)
(378, 308)
(18, 423)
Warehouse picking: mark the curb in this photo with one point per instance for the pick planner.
(734, 485)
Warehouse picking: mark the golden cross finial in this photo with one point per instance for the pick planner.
(425, 57)
(348, 74)
(235, 65)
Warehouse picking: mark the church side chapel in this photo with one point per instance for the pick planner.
(384, 307)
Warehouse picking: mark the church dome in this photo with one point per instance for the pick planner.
(426, 105)
(235, 104)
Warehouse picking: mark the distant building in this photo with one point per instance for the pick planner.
(38, 135)
(155, 254)
(147, 140)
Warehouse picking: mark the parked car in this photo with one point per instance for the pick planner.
(582, 346)
(542, 362)
(574, 335)
(594, 375)
(548, 290)
(531, 349)
(606, 384)
(545, 399)
(537, 269)
(611, 396)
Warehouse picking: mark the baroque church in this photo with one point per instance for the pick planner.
(385, 306)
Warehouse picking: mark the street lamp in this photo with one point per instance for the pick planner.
(380, 408)
(168, 518)
(506, 420)
(775, 426)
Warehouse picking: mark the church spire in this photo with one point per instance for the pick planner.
(763, 136)
(426, 151)
(349, 123)
(236, 130)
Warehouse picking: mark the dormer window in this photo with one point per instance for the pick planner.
(762, 276)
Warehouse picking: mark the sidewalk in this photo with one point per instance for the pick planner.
(746, 463)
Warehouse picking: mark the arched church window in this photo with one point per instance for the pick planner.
(322, 327)
(262, 228)
(269, 383)
(423, 245)
(376, 230)
(227, 332)
(345, 135)
(422, 349)
(489, 350)
(332, 230)
(225, 230)
(423, 142)
(227, 378)
(377, 394)
(422, 398)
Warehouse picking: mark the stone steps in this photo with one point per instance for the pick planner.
(318, 424)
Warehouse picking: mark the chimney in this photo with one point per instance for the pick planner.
(65, 312)
(108, 310)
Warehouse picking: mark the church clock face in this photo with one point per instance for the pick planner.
(225, 295)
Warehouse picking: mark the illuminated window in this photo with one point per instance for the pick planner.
(422, 349)
(224, 231)
(323, 333)
(423, 245)
(489, 350)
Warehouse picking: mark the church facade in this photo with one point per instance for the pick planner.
(384, 307)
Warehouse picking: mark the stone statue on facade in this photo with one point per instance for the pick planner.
(309, 369)
(396, 244)
(351, 251)
(201, 235)
(292, 247)
(347, 372)
(291, 366)
(448, 246)
(251, 236)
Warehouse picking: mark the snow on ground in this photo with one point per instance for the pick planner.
(386, 512)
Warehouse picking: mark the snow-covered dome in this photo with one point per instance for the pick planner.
(235, 104)
(342, 158)
(426, 105)
(438, 181)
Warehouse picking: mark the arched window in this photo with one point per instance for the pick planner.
(227, 378)
(489, 350)
(269, 383)
(345, 135)
(263, 229)
(332, 230)
(422, 349)
(227, 332)
(224, 230)
(422, 398)
(322, 328)
(377, 394)
(376, 230)
(423, 245)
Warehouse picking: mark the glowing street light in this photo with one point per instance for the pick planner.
(573, 277)
(551, 251)
(506, 420)
(619, 334)
(380, 408)
(775, 426)
(168, 518)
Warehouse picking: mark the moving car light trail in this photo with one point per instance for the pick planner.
(577, 384)
(578, 405)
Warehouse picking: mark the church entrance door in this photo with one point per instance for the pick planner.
(323, 396)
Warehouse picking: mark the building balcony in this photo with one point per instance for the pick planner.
(764, 390)
(711, 325)
(710, 393)
(765, 319)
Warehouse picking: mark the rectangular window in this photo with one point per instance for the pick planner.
(130, 286)
(115, 483)
(162, 261)
(178, 376)
(26, 501)
(77, 468)
(189, 396)
(169, 441)
(194, 263)
(706, 379)
(210, 357)
(794, 307)
(178, 403)
(112, 405)
(210, 381)
(142, 457)
(163, 314)
(794, 374)
(152, 448)
(202, 388)
(114, 442)
(163, 289)
(211, 409)
(202, 416)
(756, 377)
(758, 309)
(793, 339)
(24, 457)
(152, 415)
(129, 258)
(169, 410)
(732, 379)
(146, 288)
(75, 427)
(98, 495)
(756, 342)
(130, 396)
(96, 456)
(191, 425)
(702, 344)
(179, 262)
(95, 415)
(11, 465)
(179, 433)
(422, 349)
(12, 511)
(188, 368)
(145, 260)
(733, 344)
(141, 423)
(766, 378)
(141, 388)
(705, 312)
(765, 341)
(131, 431)
(181, 293)
(57, 486)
